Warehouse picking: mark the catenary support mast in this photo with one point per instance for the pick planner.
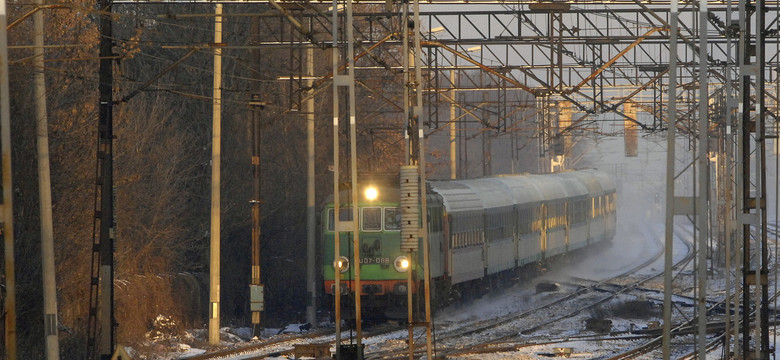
(311, 287)
(216, 153)
(701, 208)
(670, 176)
(7, 206)
(44, 188)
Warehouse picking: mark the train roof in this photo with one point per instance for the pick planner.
(457, 195)
(486, 193)
(595, 181)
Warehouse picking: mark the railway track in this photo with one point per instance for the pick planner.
(499, 332)
(258, 347)
(285, 345)
(506, 333)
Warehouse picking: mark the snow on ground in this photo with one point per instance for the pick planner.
(640, 235)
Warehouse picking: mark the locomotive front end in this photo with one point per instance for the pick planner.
(383, 267)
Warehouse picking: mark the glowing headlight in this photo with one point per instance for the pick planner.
(401, 264)
(371, 193)
(342, 263)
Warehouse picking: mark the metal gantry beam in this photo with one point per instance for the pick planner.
(597, 52)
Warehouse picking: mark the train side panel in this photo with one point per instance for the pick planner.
(596, 222)
(501, 247)
(529, 248)
(467, 264)
(467, 246)
(578, 222)
(610, 218)
(501, 255)
(436, 234)
(556, 242)
(578, 236)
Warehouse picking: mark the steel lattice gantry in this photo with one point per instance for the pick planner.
(598, 56)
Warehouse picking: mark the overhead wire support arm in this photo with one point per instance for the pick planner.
(514, 82)
(33, 12)
(614, 59)
(297, 25)
(149, 82)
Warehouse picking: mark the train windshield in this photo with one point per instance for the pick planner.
(392, 219)
(345, 214)
(372, 219)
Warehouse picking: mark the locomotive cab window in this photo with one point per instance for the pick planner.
(345, 214)
(392, 219)
(372, 219)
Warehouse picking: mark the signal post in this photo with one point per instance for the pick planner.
(413, 190)
(345, 81)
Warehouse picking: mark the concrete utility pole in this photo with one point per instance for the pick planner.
(216, 152)
(311, 305)
(701, 209)
(44, 188)
(336, 198)
(7, 206)
(670, 176)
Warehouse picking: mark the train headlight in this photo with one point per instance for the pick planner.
(371, 193)
(342, 263)
(401, 264)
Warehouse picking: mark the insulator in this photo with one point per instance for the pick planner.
(410, 208)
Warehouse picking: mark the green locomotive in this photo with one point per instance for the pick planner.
(481, 233)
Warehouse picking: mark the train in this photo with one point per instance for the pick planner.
(483, 233)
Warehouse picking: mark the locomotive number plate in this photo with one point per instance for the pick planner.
(380, 261)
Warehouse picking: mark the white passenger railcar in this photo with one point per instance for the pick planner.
(492, 226)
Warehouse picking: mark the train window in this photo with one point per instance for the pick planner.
(524, 223)
(613, 202)
(392, 219)
(575, 211)
(372, 219)
(434, 220)
(601, 205)
(345, 214)
(592, 212)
